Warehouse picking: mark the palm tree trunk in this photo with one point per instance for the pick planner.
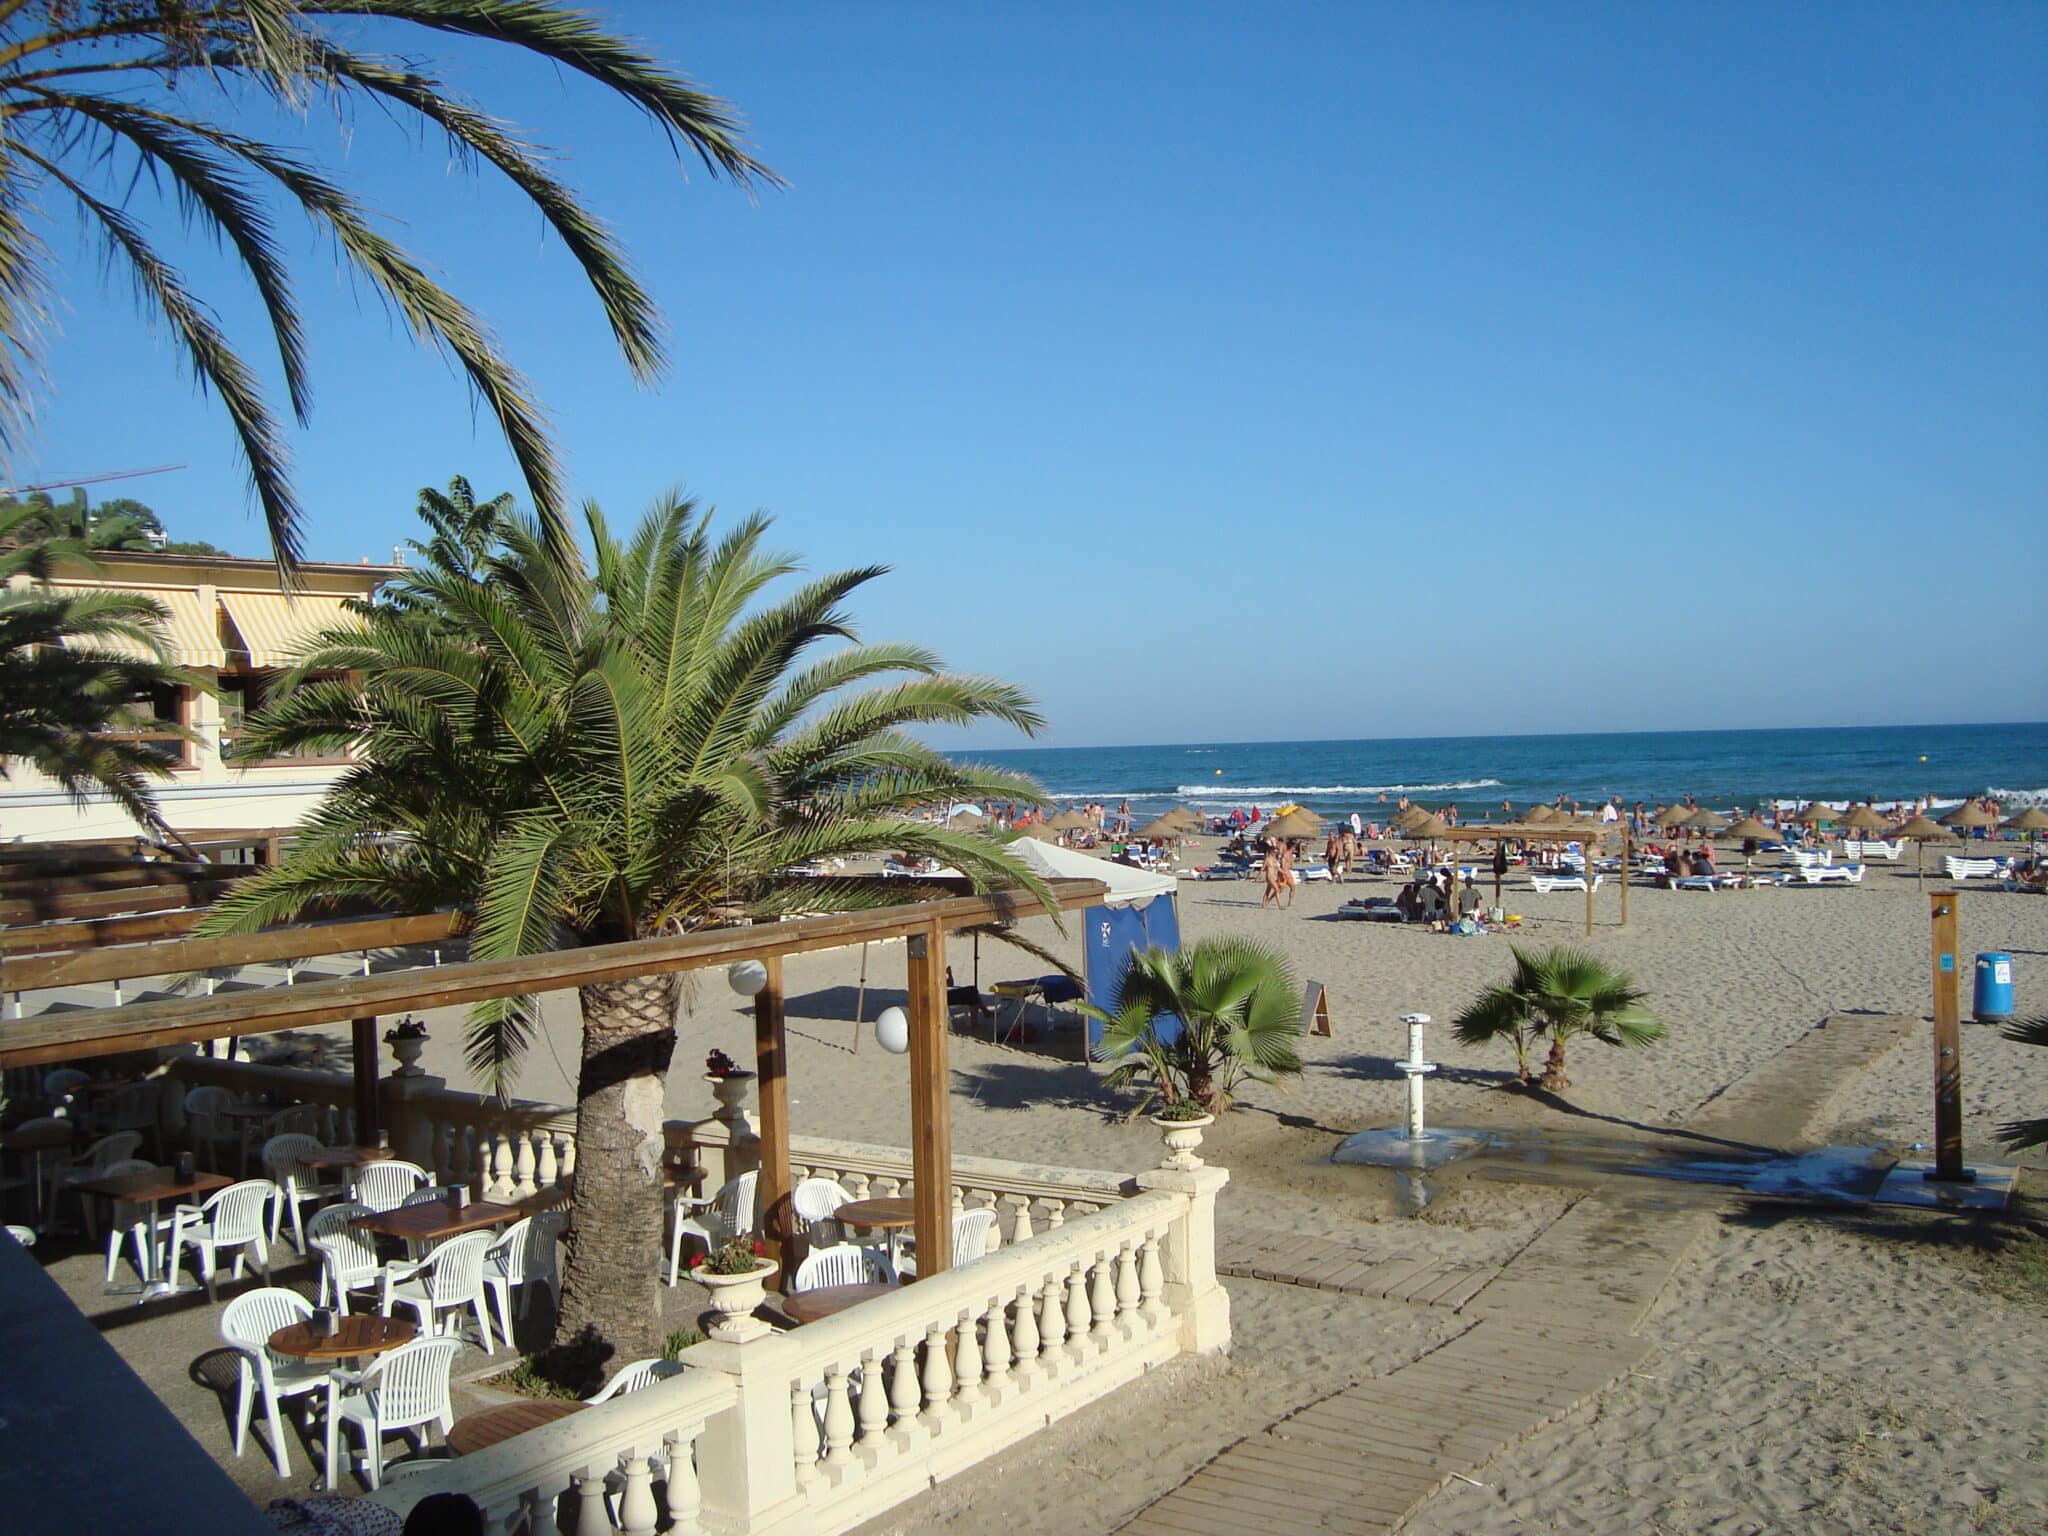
(1553, 1069)
(611, 1283)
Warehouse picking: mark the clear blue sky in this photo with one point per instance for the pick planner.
(1280, 371)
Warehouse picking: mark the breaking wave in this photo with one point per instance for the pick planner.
(1247, 790)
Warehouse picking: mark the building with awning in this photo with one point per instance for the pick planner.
(232, 622)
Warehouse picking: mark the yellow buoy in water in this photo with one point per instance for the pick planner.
(1219, 771)
(1923, 757)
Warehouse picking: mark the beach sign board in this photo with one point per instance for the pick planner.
(1315, 1010)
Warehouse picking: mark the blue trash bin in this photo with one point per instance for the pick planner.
(1991, 1001)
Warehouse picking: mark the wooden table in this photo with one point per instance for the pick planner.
(432, 1221)
(828, 1301)
(150, 1187)
(355, 1338)
(329, 1158)
(487, 1427)
(890, 1216)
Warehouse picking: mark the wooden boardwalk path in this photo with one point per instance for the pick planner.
(1324, 1263)
(1783, 1102)
(1555, 1327)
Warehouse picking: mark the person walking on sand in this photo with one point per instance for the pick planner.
(1269, 866)
(1287, 874)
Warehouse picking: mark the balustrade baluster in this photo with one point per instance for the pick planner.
(995, 1354)
(542, 1505)
(1055, 1214)
(1151, 1283)
(838, 1418)
(1024, 1336)
(568, 1163)
(592, 1518)
(524, 1187)
(803, 1433)
(959, 1202)
(874, 1395)
(549, 1173)
(887, 1188)
(1021, 1230)
(684, 1498)
(637, 1514)
(938, 1373)
(1126, 1279)
(858, 1185)
(1077, 1304)
(1052, 1316)
(902, 1383)
(1102, 1296)
(502, 1185)
(967, 1355)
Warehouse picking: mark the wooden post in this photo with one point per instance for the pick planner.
(1628, 861)
(1586, 843)
(363, 1049)
(931, 1127)
(1948, 1043)
(771, 1060)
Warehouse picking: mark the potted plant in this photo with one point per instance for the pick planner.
(736, 1274)
(1180, 1127)
(729, 1084)
(408, 1040)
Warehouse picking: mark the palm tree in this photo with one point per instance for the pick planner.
(71, 664)
(584, 753)
(1239, 1013)
(2018, 1135)
(1562, 992)
(98, 96)
(462, 532)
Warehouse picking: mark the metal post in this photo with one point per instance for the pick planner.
(1416, 1069)
(1948, 1044)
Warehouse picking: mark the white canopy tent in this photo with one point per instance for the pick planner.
(1128, 887)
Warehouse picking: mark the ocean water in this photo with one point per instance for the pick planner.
(1723, 768)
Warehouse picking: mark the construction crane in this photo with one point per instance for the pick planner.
(93, 479)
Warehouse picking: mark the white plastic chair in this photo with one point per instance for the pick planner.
(631, 1378)
(284, 1160)
(717, 1221)
(970, 1239)
(246, 1324)
(406, 1389)
(92, 1163)
(237, 1218)
(128, 1221)
(26, 1236)
(384, 1186)
(524, 1254)
(812, 1202)
(449, 1278)
(348, 1255)
(845, 1264)
(205, 1125)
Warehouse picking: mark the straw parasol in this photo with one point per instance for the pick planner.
(1296, 823)
(1181, 816)
(1538, 815)
(1923, 832)
(967, 821)
(1676, 815)
(2032, 819)
(1044, 831)
(1162, 828)
(1817, 814)
(1862, 818)
(1070, 821)
(1704, 820)
(1408, 818)
(1969, 816)
(1752, 832)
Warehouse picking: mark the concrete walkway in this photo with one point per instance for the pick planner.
(1552, 1329)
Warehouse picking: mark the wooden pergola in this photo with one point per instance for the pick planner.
(361, 1000)
(1552, 832)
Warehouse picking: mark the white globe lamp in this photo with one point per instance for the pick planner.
(747, 977)
(892, 1031)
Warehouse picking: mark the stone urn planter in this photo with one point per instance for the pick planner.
(733, 1300)
(731, 1090)
(1181, 1138)
(408, 1049)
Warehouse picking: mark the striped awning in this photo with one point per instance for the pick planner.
(191, 630)
(275, 628)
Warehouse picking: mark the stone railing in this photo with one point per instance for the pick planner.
(330, 1094)
(642, 1446)
(1027, 1197)
(814, 1431)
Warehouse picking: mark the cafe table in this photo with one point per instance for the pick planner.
(829, 1301)
(357, 1338)
(891, 1216)
(487, 1427)
(345, 1161)
(434, 1221)
(150, 1187)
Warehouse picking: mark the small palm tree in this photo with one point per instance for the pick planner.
(100, 97)
(71, 663)
(1562, 992)
(2018, 1135)
(1239, 1014)
(585, 753)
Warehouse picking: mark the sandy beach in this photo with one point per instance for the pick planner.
(1815, 1370)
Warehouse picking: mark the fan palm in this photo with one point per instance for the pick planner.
(71, 662)
(1562, 992)
(591, 752)
(97, 96)
(1239, 1014)
(2018, 1135)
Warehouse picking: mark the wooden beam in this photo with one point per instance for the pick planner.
(175, 1021)
(1627, 865)
(303, 941)
(363, 1048)
(931, 1128)
(46, 909)
(22, 882)
(1948, 1040)
(771, 1061)
(1592, 879)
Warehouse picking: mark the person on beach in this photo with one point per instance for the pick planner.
(1333, 855)
(1611, 811)
(1269, 867)
(1287, 875)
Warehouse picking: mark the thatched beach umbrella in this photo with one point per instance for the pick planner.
(967, 821)
(1408, 818)
(1751, 832)
(1296, 823)
(1676, 816)
(1969, 816)
(1863, 818)
(1704, 820)
(1189, 821)
(1817, 815)
(1161, 828)
(1070, 821)
(2033, 821)
(1044, 831)
(1538, 815)
(1923, 832)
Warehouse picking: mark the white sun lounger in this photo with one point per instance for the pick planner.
(1866, 849)
(1973, 869)
(1545, 884)
(1805, 858)
(1821, 874)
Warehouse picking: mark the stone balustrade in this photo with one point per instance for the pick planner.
(330, 1094)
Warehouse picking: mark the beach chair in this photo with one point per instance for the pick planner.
(714, 1222)
(1863, 850)
(1832, 874)
(631, 1378)
(1972, 869)
(845, 1264)
(1545, 884)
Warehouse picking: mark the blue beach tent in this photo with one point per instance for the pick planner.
(1140, 911)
